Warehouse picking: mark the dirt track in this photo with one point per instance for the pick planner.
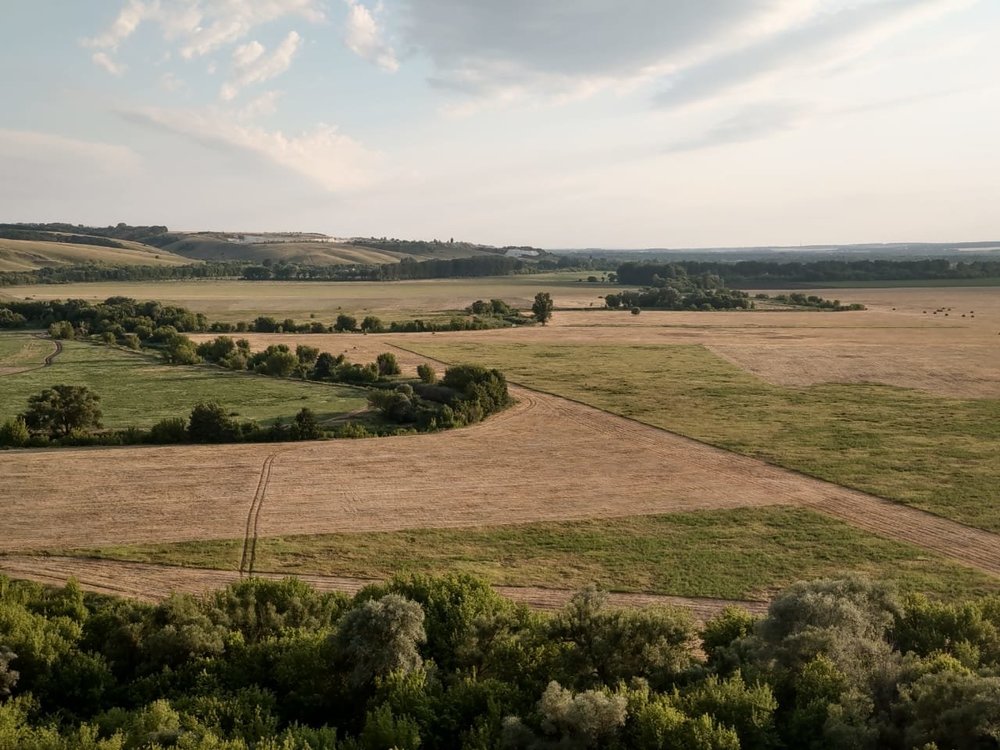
(47, 362)
(545, 459)
(155, 582)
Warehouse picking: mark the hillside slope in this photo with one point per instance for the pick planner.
(30, 255)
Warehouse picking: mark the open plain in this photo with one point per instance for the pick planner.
(549, 459)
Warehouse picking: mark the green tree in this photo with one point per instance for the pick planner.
(169, 431)
(372, 324)
(209, 423)
(8, 675)
(306, 427)
(379, 637)
(62, 329)
(387, 364)
(14, 433)
(542, 307)
(63, 408)
(426, 373)
(345, 323)
(180, 350)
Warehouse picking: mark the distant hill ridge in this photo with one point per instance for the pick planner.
(29, 246)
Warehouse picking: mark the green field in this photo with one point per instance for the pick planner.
(231, 300)
(939, 454)
(137, 391)
(23, 350)
(733, 554)
(28, 255)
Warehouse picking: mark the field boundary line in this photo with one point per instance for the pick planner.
(859, 518)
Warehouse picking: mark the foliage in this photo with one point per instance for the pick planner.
(274, 665)
(542, 307)
(387, 364)
(61, 409)
(14, 433)
(209, 423)
(426, 374)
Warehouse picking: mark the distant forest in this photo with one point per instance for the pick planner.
(764, 273)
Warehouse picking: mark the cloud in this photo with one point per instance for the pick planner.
(252, 65)
(825, 40)
(323, 155)
(58, 150)
(170, 82)
(103, 60)
(559, 47)
(265, 104)
(364, 38)
(750, 123)
(200, 27)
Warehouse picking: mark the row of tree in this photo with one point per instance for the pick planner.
(445, 662)
(762, 273)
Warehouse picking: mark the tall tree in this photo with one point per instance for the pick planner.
(542, 307)
(63, 408)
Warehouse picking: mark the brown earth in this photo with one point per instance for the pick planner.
(153, 583)
(545, 459)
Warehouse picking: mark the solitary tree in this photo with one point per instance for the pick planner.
(306, 427)
(63, 408)
(542, 307)
(387, 364)
(345, 323)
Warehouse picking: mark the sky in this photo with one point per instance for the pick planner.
(554, 123)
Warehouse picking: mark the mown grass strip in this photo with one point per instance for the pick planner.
(733, 554)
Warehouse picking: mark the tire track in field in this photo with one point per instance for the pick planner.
(249, 555)
(890, 519)
(47, 362)
(152, 582)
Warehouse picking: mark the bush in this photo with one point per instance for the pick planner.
(387, 364)
(426, 374)
(14, 433)
(345, 323)
(209, 423)
(169, 431)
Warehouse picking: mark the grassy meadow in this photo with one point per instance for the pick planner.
(934, 453)
(137, 390)
(735, 554)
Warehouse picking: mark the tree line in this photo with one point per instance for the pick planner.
(763, 273)
(445, 662)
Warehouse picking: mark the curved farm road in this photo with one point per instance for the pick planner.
(153, 583)
(47, 362)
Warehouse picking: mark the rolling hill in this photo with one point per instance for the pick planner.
(30, 255)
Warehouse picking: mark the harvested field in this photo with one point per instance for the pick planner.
(244, 300)
(545, 459)
(954, 356)
(156, 582)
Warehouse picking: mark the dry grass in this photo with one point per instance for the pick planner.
(245, 300)
(546, 459)
(28, 255)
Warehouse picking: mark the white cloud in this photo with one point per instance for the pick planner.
(104, 60)
(822, 42)
(58, 150)
(170, 82)
(364, 38)
(323, 155)
(200, 27)
(252, 65)
(261, 106)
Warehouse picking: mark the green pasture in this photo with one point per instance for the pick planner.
(137, 390)
(938, 454)
(735, 554)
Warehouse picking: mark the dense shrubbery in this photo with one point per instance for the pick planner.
(797, 299)
(447, 663)
(672, 298)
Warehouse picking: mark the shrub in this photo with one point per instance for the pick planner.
(387, 364)
(426, 374)
(169, 431)
(209, 423)
(14, 433)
